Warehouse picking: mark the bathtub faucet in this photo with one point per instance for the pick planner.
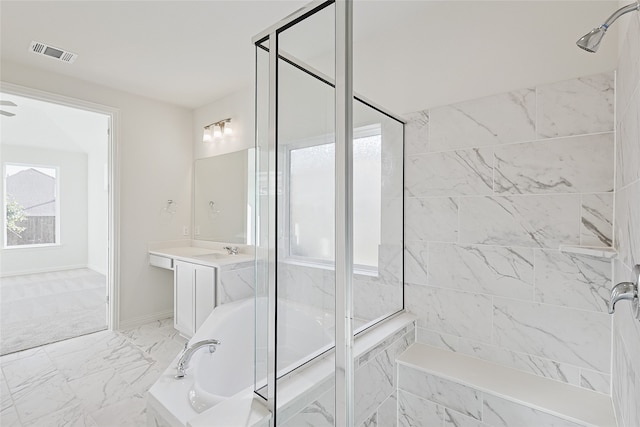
(183, 363)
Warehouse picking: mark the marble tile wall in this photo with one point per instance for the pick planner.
(493, 188)
(376, 383)
(626, 331)
(429, 400)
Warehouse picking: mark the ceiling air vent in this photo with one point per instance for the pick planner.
(52, 52)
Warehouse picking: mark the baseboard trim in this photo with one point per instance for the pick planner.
(42, 270)
(142, 320)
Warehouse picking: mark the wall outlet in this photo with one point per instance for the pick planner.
(185, 230)
(196, 230)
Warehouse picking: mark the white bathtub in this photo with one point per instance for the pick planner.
(213, 377)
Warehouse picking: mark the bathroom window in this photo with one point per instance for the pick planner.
(311, 197)
(32, 214)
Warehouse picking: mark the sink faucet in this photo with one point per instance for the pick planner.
(233, 250)
(183, 363)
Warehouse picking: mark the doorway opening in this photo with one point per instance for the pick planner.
(57, 270)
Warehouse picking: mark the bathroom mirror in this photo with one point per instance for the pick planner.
(224, 197)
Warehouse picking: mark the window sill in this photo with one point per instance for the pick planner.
(42, 246)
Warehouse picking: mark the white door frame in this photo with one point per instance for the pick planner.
(113, 267)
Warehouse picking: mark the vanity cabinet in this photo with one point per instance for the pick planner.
(194, 295)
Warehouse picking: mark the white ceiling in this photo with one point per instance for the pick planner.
(408, 54)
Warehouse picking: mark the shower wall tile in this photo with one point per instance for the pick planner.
(572, 280)
(498, 412)
(373, 298)
(442, 224)
(499, 119)
(456, 419)
(235, 284)
(388, 412)
(414, 411)
(628, 71)
(596, 381)
(451, 173)
(458, 397)
(580, 164)
(319, 413)
(519, 360)
(627, 224)
(391, 215)
(437, 339)
(555, 333)
(628, 153)
(374, 382)
(416, 133)
(450, 311)
(491, 270)
(625, 377)
(415, 262)
(596, 219)
(578, 106)
(477, 230)
(535, 221)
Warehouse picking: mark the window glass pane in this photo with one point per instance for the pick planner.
(311, 195)
(31, 205)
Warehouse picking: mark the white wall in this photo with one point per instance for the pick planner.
(155, 158)
(72, 251)
(98, 211)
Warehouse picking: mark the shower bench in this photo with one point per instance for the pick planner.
(468, 391)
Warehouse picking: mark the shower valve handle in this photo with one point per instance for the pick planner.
(627, 291)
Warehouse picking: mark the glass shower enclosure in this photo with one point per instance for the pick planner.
(329, 213)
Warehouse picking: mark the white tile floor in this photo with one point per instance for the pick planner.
(99, 379)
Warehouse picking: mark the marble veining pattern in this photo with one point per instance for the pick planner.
(442, 225)
(414, 411)
(451, 311)
(456, 396)
(628, 150)
(577, 106)
(498, 412)
(450, 173)
(502, 271)
(596, 220)
(503, 118)
(577, 164)
(556, 333)
(96, 380)
(417, 133)
(520, 220)
(572, 280)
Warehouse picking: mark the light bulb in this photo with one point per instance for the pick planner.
(206, 136)
(227, 129)
(217, 132)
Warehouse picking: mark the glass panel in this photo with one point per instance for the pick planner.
(306, 293)
(312, 179)
(261, 228)
(31, 200)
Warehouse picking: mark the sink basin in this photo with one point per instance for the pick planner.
(213, 256)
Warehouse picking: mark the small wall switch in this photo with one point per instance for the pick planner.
(185, 230)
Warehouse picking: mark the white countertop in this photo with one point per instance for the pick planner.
(203, 256)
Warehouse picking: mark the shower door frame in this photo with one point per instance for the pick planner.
(344, 97)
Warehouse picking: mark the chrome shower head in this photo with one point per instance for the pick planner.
(591, 41)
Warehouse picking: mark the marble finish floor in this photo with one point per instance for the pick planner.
(100, 379)
(38, 309)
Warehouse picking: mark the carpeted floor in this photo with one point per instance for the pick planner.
(37, 309)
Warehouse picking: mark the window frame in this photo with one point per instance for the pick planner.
(358, 133)
(57, 231)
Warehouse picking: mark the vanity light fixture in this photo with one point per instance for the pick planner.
(217, 130)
